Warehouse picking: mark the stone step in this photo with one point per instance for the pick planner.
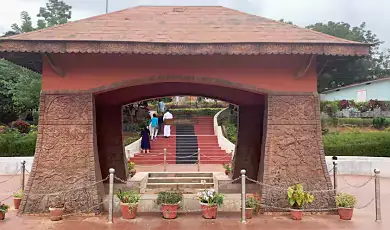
(179, 179)
(179, 185)
(180, 174)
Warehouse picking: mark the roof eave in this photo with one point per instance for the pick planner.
(35, 46)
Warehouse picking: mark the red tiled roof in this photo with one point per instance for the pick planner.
(181, 25)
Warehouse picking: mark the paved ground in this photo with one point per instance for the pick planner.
(363, 218)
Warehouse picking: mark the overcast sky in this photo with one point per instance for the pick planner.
(302, 12)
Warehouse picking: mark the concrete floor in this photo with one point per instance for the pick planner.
(363, 218)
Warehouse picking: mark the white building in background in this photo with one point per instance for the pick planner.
(378, 89)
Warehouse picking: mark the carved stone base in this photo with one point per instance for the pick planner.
(294, 151)
(65, 157)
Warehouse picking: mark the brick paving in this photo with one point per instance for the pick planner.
(363, 219)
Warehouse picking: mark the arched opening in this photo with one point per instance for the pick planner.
(248, 152)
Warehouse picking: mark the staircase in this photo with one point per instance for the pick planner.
(186, 145)
(184, 182)
(182, 146)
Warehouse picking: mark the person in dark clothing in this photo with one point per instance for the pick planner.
(145, 141)
(160, 124)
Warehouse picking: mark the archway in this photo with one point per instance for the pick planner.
(250, 130)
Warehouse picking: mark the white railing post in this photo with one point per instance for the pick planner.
(378, 216)
(165, 160)
(111, 196)
(198, 159)
(23, 165)
(335, 175)
(243, 196)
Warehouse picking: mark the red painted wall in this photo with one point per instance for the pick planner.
(271, 72)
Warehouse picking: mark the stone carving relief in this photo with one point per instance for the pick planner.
(68, 107)
(293, 151)
(64, 156)
(291, 108)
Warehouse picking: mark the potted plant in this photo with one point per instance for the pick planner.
(209, 202)
(17, 198)
(3, 209)
(251, 204)
(228, 168)
(258, 197)
(345, 203)
(131, 167)
(297, 198)
(56, 208)
(129, 203)
(169, 201)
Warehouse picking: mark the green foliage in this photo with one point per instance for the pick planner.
(252, 202)
(288, 22)
(371, 144)
(230, 131)
(227, 167)
(26, 25)
(354, 122)
(56, 12)
(297, 197)
(345, 200)
(195, 112)
(4, 208)
(380, 122)
(329, 107)
(12, 144)
(129, 140)
(169, 197)
(352, 70)
(129, 197)
(210, 197)
(130, 165)
(19, 90)
(18, 194)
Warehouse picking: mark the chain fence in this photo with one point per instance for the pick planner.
(236, 202)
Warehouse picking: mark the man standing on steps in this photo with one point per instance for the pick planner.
(161, 106)
(167, 123)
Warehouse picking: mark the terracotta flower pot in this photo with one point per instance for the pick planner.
(345, 213)
(132, 172)
(209, 212)
(2, 215)
(227, 172)
(296, 214)
(56, 213)
(128, 212)
(249, 213)
(169, 211)
(17, 202)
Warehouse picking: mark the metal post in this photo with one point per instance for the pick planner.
(165, 160)
(243, 194)
(106, 6)
(111, 196)
(335, 177)
(23, 162)
(198, 159)
(378, 216)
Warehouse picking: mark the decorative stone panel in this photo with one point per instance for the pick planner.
(65, 157)
(294, 151)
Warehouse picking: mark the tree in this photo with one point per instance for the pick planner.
(375, 65)
(19, 90)
(288, 22)
(26, 25)
(56, 12)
